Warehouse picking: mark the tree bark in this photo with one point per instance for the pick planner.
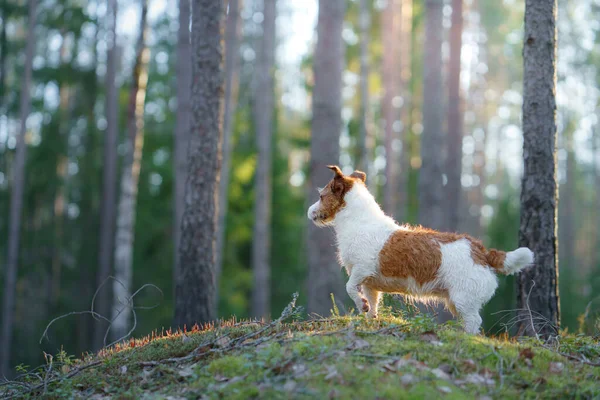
(182, 127)
(16, 202)
(263, 116)
(454, 120)
(232, 65)
(109, 184)
(539, 195)
(195, 299)
(125, 234)
(324, 276)
(364, 142)
(431, 191)
(389, 33)
(404, 10)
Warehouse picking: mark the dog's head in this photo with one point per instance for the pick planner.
(331, 197)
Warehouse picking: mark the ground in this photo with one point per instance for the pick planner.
(346, 357)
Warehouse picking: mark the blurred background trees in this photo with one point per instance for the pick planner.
(432, 109)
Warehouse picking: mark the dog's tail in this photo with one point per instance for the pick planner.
(510, 262)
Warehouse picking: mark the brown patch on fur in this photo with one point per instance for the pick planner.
(495, 259)
(412, 254)
(332, 195)
(416, 253)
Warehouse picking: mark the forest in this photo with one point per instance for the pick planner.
(157, 160)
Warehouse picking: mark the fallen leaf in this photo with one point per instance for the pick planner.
(431, 337)
(221, 378)
(440, 374)
(358, 344)
(446, 368)
(187, 371)
(185, 338)
(289, 386)
(299, 370)
(445, 389)
(407, 379)
(123, 369)
(223, 341)
(331, 373)
(526, 353)
(282, 368)
(478, 379)
(469, 365)
(556, 367)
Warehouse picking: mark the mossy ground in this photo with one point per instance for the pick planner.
(340, 357)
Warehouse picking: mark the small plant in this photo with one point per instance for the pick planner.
(335, 311)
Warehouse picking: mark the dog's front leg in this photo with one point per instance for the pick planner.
(356, 279)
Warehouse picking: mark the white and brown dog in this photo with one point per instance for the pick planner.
(416, 262)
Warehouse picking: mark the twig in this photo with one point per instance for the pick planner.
(128, 304)
(572, 357)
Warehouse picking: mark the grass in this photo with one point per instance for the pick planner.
(347, 357)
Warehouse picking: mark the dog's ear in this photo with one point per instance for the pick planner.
(337, 170)
(359, 175)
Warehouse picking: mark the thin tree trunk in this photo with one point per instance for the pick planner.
(109, 184)
(130, 175)
(232, 65)
(364, 148)
(195, 299)
(596, 163)
(324, 276)
(16, 202)
(567, 233)
(263, 115)
(182, 127)
(404, 10)
(431, 191)
(389, 33)
(455, 120)
(539, 195)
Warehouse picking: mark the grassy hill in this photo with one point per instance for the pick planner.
(347, 357)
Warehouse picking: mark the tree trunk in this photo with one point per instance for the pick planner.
(16, 202)
(364, 142)
(455, 121)
(263, 116)
(596, 164)
(232, 34)
(539, 196)
(431, 191)
(182, 127)
(389, 33)
(404, 10)
(195, 299)
(109, 184)
(567, 233)
(130, 175)
(324, 276)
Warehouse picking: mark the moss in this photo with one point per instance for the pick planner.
(343, 357)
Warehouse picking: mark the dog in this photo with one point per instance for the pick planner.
(381, 256)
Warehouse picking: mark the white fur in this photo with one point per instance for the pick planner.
(362, 229)
(517, 260)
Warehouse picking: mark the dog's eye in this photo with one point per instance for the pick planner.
(321, 197)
